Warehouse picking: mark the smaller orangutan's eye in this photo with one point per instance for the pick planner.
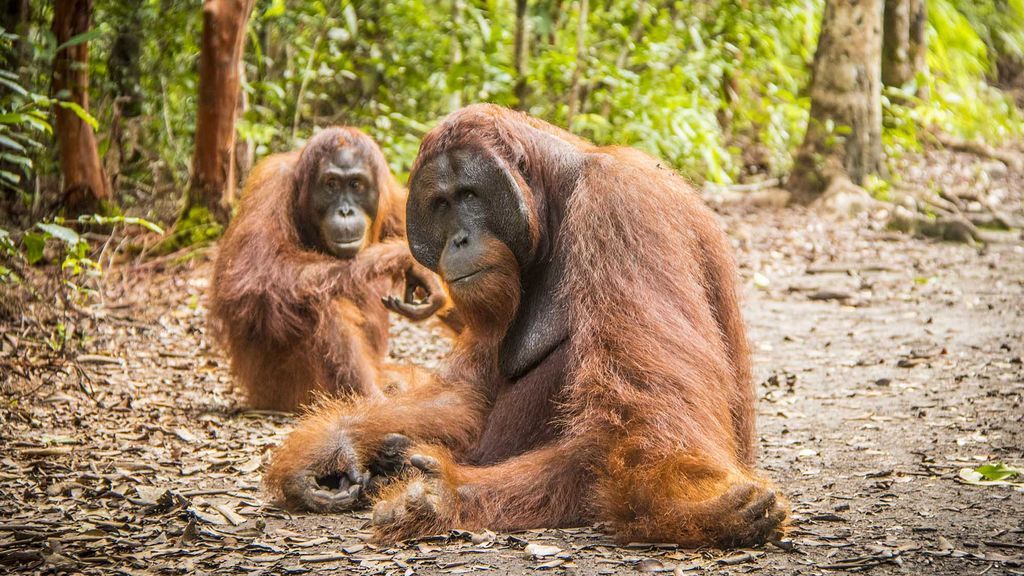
(333, 184)
(355, 185)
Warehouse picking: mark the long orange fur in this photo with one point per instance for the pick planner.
(296, 321)
(654, 425)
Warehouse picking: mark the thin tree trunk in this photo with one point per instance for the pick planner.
(85, 186)
(903, 46)
(245, 148)
(123, 64)
(575, 87)
(1009, 69)
(220, 56)
(455, 89)
(125, 75)
(307, 75)
(844, 132)
(919, 35)
(521, 54)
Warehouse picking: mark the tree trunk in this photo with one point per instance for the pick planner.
(1009, 72)
(220, 56)
(919, 35)
(123, 63)
(455, 89)
(125, 75)
(575, 88)
(85, 187)
(904, 48)
(245, 148)
(521, 54)
(844, 133)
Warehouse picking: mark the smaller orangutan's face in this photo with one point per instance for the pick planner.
(344, 200)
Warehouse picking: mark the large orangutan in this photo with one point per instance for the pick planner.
(298, 284)
(604, 374)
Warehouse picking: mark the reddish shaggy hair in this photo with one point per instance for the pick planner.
(295, 320)
(641, 417)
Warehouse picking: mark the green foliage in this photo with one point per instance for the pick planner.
(717, 88)
(960, 101)
(997, 474)
(654, 78)
(196, 229)
(999, 24)
(70, 250)
(955, 95)
(23, 124)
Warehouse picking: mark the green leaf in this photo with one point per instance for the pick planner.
(13, 118)
(8, 142)
(69, 236)
(80, 39)
(14, 86)
(277, 8)
(34, 244)
(17, 159)
(10, 177)
(997, 471)
(997, 474)
(38, 123)
(80, 112)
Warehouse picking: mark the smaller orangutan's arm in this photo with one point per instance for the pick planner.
(423, 294)
(319, 274)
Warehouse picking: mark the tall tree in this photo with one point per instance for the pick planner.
(844, 132)
(576, 86)
(904, 43)
(213, 163)
(521, 54)
(455, 89)
(125, 75)
(85, 186)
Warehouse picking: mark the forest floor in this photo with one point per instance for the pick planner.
(885, 365)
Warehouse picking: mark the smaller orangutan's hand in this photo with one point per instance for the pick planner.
(413, 306)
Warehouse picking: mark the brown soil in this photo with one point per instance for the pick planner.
(885, 365)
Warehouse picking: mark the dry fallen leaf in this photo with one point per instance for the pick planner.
(651, 565)
(249, 466)
(541, 551)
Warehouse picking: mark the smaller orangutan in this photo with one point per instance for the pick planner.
(302, 281)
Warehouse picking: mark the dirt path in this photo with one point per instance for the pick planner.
(885, 365)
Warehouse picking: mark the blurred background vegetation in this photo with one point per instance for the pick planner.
(718, 88)
(126, 125)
